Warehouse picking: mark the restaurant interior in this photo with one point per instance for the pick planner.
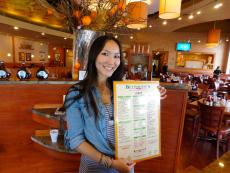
(186, 48)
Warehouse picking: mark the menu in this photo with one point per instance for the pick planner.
(137, 120)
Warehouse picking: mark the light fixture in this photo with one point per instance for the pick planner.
(150, 26)
(198, 41)
(43, 33)
(180, 18)
(16, 28)
(218, 5)
(198, 12)
(137, 15)
(131, 37)
(32, 56)
(116, 36)
(227, 40)
(213, 37)
(190, 16)
(169, 9)
(165, 22)
(48, 56)
(65, 38)
(8, 54)
(41, 44)
(221, 164)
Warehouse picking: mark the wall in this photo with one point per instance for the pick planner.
(167, 42)
(5, 48)
(26, 47)
(21, 50)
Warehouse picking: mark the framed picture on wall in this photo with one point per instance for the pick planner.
(28, 56)
(57, 56)
(42, 56)
(21, 56)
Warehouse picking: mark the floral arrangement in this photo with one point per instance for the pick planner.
(92, 14)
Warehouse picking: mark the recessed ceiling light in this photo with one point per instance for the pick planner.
(221, 164)
(116, 36)
(16, 28)
(198, 12)
(48, 56)
(131, 37)
(41, 44)
(198, 41)
(180, 18)
(218, 5)
(150, 26)
(8, 54)
(227, 40)
(32, 56)
(42, 33)
(165, 22)
(190, 16)
(65, 38)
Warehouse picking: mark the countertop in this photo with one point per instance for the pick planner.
(45, 141)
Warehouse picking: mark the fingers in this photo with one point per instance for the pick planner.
(162, 92)
(164, 97)
(132, 165)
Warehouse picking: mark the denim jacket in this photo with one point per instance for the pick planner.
(82, 125)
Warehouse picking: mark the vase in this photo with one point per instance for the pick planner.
(82, 42)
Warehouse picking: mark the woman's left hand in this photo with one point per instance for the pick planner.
(162, 92)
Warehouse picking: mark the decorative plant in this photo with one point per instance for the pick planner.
(91, 14)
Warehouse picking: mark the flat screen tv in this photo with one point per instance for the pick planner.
(183, 46)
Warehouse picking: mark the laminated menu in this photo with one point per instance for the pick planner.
(137, 120)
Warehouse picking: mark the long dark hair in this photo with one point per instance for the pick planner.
(85, 86)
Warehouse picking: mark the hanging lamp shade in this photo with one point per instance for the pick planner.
(137, 15)
(169, 9)
(213, 37)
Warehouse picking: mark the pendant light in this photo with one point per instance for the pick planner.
(169, 9)
(137, 15)
(213, 37)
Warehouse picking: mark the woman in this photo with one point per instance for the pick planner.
(89, 110)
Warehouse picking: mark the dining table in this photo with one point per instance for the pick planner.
(194, 104)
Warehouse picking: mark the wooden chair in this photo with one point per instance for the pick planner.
(192, 115)
(202, 90)
(210, 122)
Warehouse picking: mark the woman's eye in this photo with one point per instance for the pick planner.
(105, 53)
(116, 56)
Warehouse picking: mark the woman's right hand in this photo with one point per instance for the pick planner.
(123, 165)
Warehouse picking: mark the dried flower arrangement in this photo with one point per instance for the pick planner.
(91, 14)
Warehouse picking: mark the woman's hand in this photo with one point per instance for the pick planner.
(162, 92)
(123, 165)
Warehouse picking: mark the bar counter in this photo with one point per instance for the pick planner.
(17, 126)
(37, 82)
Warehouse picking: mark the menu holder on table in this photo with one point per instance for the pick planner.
(137, 120)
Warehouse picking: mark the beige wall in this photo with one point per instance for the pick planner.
(167, 42)
(5, 48)
(38, 49)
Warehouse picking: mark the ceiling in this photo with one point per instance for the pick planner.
(208, 14)
(32, 12)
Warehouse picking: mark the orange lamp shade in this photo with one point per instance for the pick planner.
(213, 37)
(169, 9)
(137, 14)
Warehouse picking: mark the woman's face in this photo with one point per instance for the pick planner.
(108, 60)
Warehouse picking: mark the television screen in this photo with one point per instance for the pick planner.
(183, 46)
